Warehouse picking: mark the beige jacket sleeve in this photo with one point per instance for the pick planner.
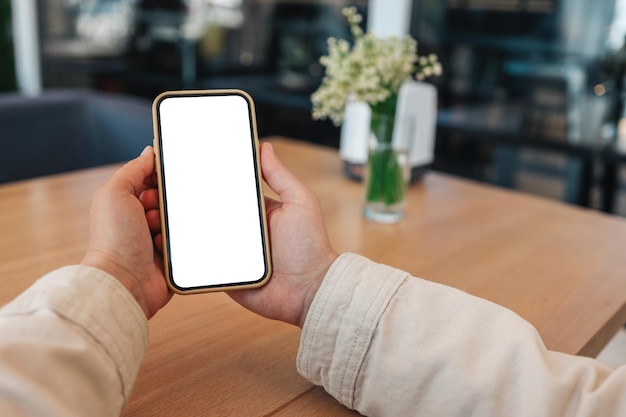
(387, 344)
(70, 345)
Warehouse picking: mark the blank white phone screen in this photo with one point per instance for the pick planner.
(215, 233)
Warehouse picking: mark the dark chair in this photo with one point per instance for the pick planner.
(61, 131)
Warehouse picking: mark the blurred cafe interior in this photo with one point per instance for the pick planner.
(531, 96)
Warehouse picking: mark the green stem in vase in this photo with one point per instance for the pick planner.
(385, 182)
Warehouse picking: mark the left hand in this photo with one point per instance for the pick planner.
(120, 241)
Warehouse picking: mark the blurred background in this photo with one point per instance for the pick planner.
(531, 97)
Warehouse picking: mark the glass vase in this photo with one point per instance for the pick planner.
(388, 168)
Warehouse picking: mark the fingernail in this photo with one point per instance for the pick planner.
(147, 150)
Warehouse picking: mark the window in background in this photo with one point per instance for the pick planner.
(521, 70)
(270, 48)
(7, 69)
(617, 30)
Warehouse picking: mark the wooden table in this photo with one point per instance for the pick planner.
(560, 267)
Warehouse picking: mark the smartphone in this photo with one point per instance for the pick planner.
(213, 218)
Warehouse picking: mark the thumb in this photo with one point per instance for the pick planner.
(279, 178)
(133, 174)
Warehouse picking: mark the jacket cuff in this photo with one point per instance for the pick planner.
(342, 320)
(100, 306)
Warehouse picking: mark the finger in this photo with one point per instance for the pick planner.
(153, 218)
(150, 199)
(154, 180)
(132, 176)
(158, 242)
(271, 205)
(279, 178)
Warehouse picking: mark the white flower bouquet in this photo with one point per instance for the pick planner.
(371, 70)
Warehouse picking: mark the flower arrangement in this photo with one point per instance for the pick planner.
(371, 70)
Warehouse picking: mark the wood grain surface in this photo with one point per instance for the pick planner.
(558, 266)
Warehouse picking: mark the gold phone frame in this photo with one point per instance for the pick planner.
(260, 196)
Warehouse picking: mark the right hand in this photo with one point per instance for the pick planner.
(300, 249)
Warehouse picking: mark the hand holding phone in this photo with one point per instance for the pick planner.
(212, 208)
